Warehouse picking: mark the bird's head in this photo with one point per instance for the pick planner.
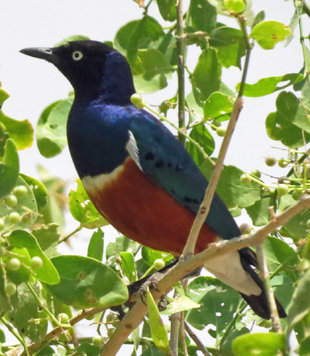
(93, 68)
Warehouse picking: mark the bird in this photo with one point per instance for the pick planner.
(137, 174)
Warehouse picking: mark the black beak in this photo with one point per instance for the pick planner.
(41, 52)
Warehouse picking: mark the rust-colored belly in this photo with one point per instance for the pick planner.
(146, 213)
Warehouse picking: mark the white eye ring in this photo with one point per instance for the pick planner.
(77, 55)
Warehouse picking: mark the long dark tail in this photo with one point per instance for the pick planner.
(257, 302)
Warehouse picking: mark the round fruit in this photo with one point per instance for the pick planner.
(98, 341)
(13, 264)
(256, 173)
(36, 262)
(297, 194)
(2, 224)
(63, 318)
(158, 264)
(270, 161)
(282, 163)
(221, 131)
(245, 179)
(282, 189)
(14, 218)
(26, 218)
(245, 228)
(2, 251)
(11, 200)
(21, 191)
(10, 289)
(137, 100)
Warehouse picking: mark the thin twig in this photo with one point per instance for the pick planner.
(174, 334)
(183, 334)
(181, 59)
(196, 340)
(264, 273)
(207, 200)
(19, 337)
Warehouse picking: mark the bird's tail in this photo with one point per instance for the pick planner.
(258, 303)
(235, 269)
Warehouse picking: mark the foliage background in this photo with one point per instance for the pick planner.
(53, 21)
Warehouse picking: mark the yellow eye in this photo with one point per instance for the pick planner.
(77, 55)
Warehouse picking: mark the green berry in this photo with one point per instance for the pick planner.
(297, 194)
(137, 101)
(282, 163)
(26, 218)
(63, 318)
(11, 200)
(36, 262)
(245, 228)
(10, 289)
(21, 191)
(13, 264)
(270, 161)
(282, 189)
(2, 251)
(2, 224)
(98, 341)
(256, 174)
(245, 179)
(221, 131)
(158, 264)
(14, 218)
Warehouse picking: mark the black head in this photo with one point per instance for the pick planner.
(93, 68)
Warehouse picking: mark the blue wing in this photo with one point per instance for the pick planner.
(166, 162)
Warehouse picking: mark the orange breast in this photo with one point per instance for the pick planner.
(146, 213)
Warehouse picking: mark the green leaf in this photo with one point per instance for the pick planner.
(149, 255)
(21, 132)
(269, 33)
(154, 70)
(3, 96)
(51, 129)
(47, 273)
(83, 210)
(25, 314)
(23, 273)
(121, 244)
(265, 344)
(9, 168)
(217, 105)
(304, 348)
(85, 283)
(158, 330)
(300, 303)
(95, 246)
(201, 135)
(128, 266)
(167, 9)
(258, 18)
(269, 85)
(234, 6)
(39, 190)
(289, 121)
(46, 235)
(145, 31)
(230, 189)
(217, 302)
(202, 15)
(206, 77)
(230, 45)
(259, 212)
(182, 303)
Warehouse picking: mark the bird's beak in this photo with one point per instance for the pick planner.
(41, 52)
